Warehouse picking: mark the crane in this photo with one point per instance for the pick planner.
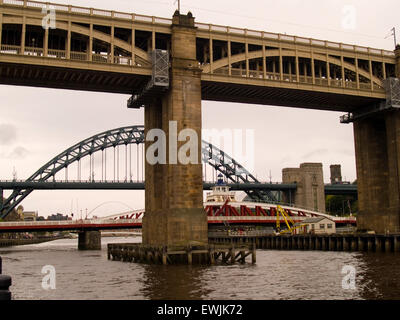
(288, 220)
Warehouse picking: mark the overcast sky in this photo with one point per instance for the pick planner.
(36, 124)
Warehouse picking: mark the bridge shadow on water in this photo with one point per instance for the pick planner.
(379, 276)
(177, 282)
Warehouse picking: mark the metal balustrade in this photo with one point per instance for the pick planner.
(201, 26)
(69, 222)
(61, 54)
(293, 78)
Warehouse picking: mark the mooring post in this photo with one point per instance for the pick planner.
(253, 255)
(345, 244)
(323, 244)
(396, 247)
(361, 244)
(370, 244)
(354, 243)
(388, 244)
(317, 243)
(189, 255)
(378, 245)
(211, 254)
(232, 250)
(5, 283)
(164, 255)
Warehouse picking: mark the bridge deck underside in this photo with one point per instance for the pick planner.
(126, 83)
(70, 78)
(240, 93)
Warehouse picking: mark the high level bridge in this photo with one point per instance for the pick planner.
(108, 51)
(170, 65)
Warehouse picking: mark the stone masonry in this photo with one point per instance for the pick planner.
(310, 192)
(174, 192)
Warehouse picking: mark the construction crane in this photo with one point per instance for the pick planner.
(288, 220)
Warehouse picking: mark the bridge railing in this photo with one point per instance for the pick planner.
(201, 26)
(244, 233)
(89, 11)
(68, 222)
(62, 54)
(294, 39)
(294, 79)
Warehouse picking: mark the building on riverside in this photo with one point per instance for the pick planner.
(318, 225)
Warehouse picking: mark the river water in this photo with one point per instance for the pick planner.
(276, 275)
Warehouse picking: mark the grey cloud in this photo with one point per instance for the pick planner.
(8, 134)
(18, 153)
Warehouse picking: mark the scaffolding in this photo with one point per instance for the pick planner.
(158, 83)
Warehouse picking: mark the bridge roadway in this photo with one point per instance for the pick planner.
(108, 51)
(330, 189)
(112, 224)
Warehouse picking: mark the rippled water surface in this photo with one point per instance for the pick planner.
(276, 275)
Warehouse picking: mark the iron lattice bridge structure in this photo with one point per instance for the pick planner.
(114, 139)
(237, 177)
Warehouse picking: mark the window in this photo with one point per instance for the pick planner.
(313, 226)
(329, 225)
(322, 226)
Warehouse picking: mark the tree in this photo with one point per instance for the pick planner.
(341, 205)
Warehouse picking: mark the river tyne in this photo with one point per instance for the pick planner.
(277, 275)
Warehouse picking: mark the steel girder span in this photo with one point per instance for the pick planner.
(216, 158)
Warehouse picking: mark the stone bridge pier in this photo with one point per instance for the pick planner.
(89, 240)
(377, 147)
(174, 194)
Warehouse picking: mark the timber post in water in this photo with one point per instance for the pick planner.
(5, 283)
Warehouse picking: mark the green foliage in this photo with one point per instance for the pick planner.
(341, 205)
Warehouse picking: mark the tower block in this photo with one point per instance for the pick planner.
(174, 192)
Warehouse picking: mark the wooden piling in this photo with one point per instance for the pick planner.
(396, 246)
(388, 246)
(361, 246)
(370, 244)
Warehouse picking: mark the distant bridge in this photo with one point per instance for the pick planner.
(330, 189)
(236, 175)
(232, 213)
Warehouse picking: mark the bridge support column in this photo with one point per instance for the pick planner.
(377, 146)
(174, 193)
(89, 240)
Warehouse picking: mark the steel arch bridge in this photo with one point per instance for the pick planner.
(124, 136)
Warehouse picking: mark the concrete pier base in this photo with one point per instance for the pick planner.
(89, 240)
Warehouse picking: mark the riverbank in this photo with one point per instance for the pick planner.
(120, 234)
(21, 242)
